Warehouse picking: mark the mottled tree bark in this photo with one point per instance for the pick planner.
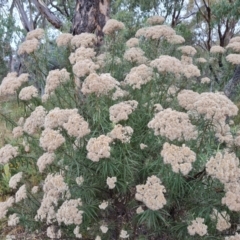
(91, 16)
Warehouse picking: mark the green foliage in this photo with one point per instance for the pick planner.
(188, 196)
(185, 30)
(7, 29)
(225, 9)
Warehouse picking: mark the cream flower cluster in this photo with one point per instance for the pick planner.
(233, 58)
(31, 43)
(135, 55)
(17, 132)
(76, 232)
(168, 64)
(235, 39)
(14, 180)
(37, 33)
(155, 20)
(187, 98)
(160, 32)
(205, 80)
(201, 60)
(21, 193)
(44, 160)
(172, 90)
(188, 50)
(119, 93)
(68, 213)
(111, 182)
(103, 205)
(186, 60)
(143, 146)
(112, 26)
(54, 79)
(106, 58)
(158, 107)
(84, 67)
(76, 126)
(139, 210)
(176, 39)
(98, 148)
(190, 71)
(99, 84)
(64, 39)
(34, 189)
(53, 232)
(235, 46)
(237, 139)
(84, 40)
(215, 105)
(81, 54)
(173, 125)
(234, 237)
(102, 59)
(139, 76)
(69, 119)
(156, 32)
(50, 140)
(124, 234)
(28, 93)
(222, 219)
(4, 206)
(151, 194)
(121, 133)
(224, 167)
(120, 111)
(79, 180)
(232, 195)
(13, 220)
(217, 49)
(223, 133)
(54, 188)
(35, 121)
(180, 158)
(212, 105)
(104, 229)
(132, 42)
(57, 117)
(7, 153)
(28, 46)
(197, 227)
(11, 83)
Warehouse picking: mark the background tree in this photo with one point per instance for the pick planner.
(202, 23)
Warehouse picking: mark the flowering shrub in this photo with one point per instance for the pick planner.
(124, 144)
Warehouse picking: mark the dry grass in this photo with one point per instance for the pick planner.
(19, 233)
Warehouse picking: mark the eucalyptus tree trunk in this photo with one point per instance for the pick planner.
(90, 16)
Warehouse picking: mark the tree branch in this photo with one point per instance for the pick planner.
(201, 11)
(36, 19)
(58, 8)
(65, 9)
(44, 10)
(23, 16)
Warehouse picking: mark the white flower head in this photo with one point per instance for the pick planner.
(111, 182)
(104, 229)
(103, 205)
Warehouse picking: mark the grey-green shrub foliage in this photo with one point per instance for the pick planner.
(145, 196)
